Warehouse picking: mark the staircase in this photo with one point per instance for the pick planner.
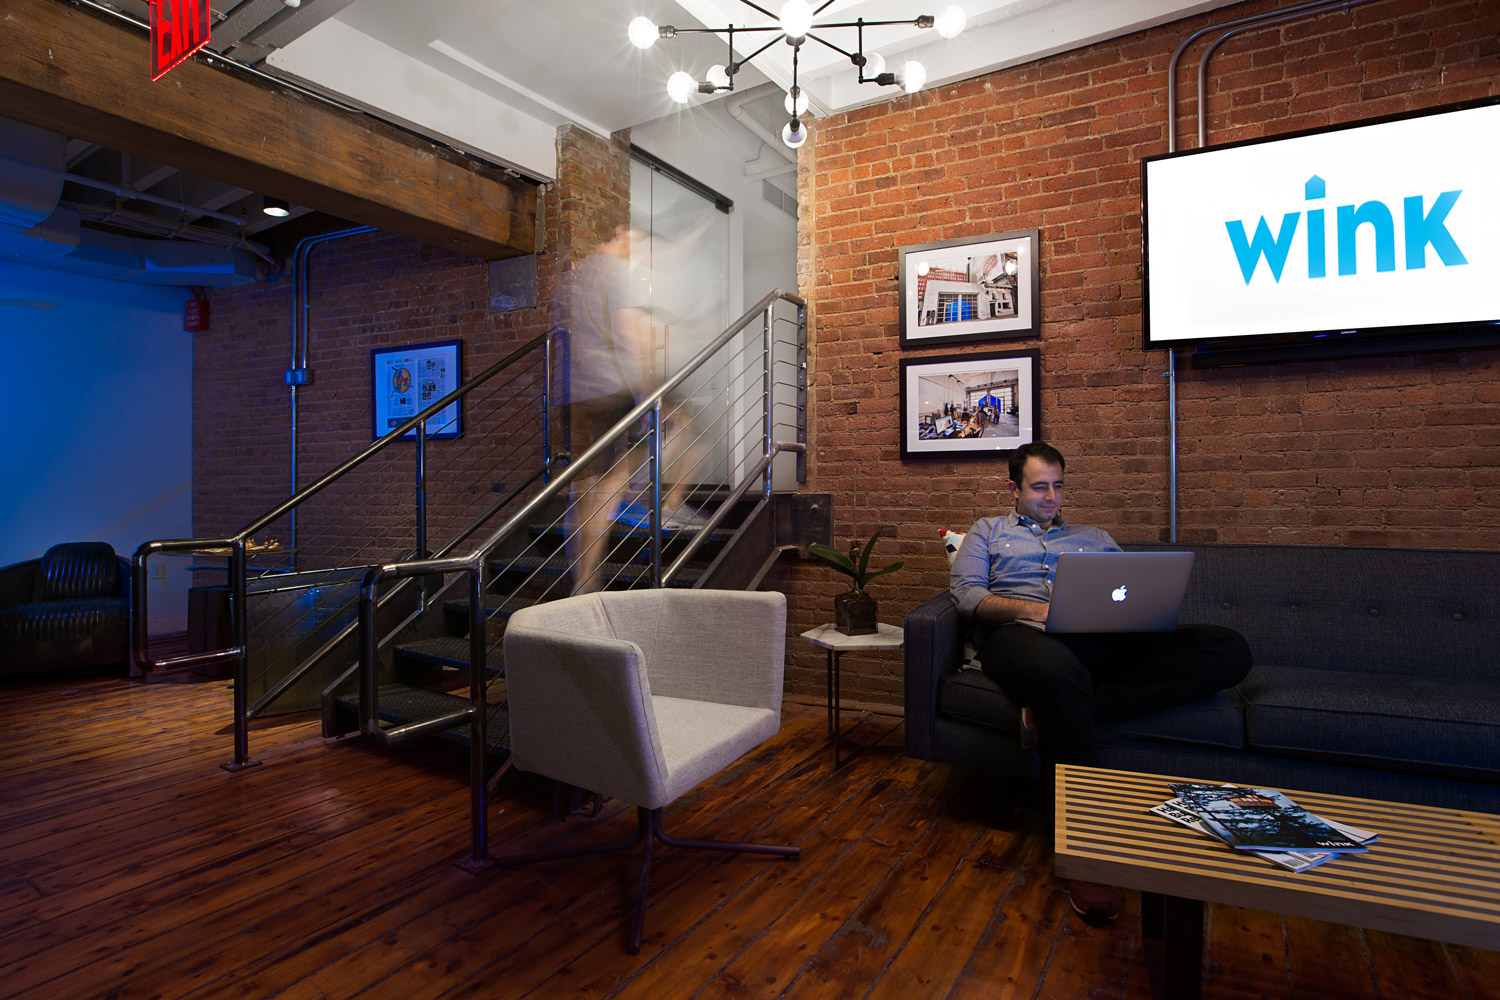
(369, 614)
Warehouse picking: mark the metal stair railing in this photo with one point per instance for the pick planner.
(353, 517)
(752, 386)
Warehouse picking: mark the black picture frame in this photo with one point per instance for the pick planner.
(406, 380)
(962, 291)
(995, 395)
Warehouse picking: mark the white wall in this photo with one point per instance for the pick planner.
(97, 411)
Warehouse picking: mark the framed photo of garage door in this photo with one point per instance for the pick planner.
(960, 291)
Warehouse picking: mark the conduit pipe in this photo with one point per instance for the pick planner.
(119, 190)
(300, 307)
(1264, 19)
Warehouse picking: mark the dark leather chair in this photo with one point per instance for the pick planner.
(65, 612)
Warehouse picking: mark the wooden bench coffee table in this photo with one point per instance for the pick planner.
(1434, 873)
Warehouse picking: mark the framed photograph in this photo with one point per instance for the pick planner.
(406, 380)
(969, 404)
(965, 290)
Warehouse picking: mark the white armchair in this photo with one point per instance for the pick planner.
(642, 695)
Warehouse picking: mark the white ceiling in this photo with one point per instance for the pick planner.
(490, 73)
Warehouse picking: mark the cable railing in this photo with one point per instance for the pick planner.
(404, 496)
(541, 569)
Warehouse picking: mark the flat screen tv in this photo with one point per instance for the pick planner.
(1377, 236)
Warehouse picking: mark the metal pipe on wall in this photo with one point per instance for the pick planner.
(300, 306)
(1264, 19)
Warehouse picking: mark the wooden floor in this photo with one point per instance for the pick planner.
(132, 866)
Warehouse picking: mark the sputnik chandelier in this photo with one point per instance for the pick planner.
(795, 26)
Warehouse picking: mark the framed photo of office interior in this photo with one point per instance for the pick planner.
(958, 291)
(974, 405)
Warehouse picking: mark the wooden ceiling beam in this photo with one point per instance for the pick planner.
(72, 71)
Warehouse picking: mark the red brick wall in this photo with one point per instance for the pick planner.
(370, 291)
(1378, 451)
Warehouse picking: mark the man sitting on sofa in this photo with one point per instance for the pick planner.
(1003, 572)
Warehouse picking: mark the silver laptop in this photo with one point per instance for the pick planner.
(1117, 591)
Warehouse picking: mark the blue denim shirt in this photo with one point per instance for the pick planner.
(1011, 556)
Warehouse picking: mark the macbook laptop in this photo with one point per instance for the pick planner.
(1117, 592)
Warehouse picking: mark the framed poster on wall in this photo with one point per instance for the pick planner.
(406, 380)
(969, 404)
(958, 291)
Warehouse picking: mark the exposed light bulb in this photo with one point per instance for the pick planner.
(796, 107)
(874, 65)
(951, 21)
(642, 32)
(718, 77)
(913, 75)
(796, 18)
(681, 87)
(794, 133)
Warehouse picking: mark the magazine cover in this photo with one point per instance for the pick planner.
(1262, 819)
(1293, 861)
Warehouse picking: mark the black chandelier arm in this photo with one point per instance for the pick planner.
(824, 41)
(722, 31)
(761, 49)
(921, 21)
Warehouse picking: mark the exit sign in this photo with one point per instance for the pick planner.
(178, 29)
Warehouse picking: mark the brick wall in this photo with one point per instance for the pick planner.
(369, 291)
(1379, 451)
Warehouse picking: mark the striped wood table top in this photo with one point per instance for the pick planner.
(1434, 873)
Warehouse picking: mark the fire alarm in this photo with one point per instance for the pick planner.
(195, 315)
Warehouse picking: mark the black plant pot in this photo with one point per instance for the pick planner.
(854, 613)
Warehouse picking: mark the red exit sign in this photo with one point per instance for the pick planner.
(178, 29)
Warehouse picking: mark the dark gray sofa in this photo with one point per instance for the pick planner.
(1377, 674)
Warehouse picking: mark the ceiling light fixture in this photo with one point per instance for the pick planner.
(796, 27)
(276, 207)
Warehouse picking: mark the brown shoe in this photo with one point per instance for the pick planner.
(1096, 904)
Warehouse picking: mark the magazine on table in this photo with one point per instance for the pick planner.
(1263, 819)
(1293, 861)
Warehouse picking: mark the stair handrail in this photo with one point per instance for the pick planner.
(473, 566)
(236, 543)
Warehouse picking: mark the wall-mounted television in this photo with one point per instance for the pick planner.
(1373, 237)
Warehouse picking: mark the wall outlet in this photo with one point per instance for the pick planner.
(159, 571)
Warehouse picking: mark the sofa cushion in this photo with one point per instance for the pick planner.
(1215, 721)
(1405, 723)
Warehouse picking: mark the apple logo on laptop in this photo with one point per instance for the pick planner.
(1117, 595)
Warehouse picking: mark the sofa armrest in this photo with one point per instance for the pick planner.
(933, 647)
(18, 583)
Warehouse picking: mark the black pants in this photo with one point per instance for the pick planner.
(1073, 680)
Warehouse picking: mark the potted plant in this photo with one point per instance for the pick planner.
(854, 610)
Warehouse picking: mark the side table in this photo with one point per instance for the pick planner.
(837, 644)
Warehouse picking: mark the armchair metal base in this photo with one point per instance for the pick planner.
(647, 830)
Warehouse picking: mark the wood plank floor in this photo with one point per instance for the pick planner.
(131, 866)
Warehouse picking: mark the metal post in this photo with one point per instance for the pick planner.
(237, 615)
(421, 484)
(766, 391)
(479, 849)
(656, 466)
(547, 406)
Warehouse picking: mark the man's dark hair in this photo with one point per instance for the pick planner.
(1039, 449)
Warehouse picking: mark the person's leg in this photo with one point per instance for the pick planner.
(1139, 674)
(596, 491)
(1040, 672)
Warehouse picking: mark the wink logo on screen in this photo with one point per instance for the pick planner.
(1422, 227)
